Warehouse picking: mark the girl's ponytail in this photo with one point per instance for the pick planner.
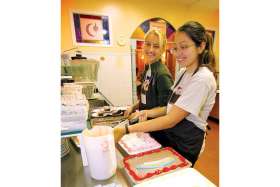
(207, 58)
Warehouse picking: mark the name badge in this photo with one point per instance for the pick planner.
(143, 98)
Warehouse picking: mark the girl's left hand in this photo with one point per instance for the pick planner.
(119, 132)
(143, 115)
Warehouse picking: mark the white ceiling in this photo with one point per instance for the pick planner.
(208, 4)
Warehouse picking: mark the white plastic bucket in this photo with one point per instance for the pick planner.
(100, 151)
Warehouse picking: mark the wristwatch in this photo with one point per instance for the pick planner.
(126, 128)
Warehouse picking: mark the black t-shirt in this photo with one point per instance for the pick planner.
(156, 88)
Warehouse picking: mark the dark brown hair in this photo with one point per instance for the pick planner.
(198, 34)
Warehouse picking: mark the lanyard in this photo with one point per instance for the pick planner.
(179, 80)
(148, 72)
(183, 76)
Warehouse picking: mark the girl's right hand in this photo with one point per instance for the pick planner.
(128, 111)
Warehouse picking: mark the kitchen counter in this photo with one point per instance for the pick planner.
(73, 174)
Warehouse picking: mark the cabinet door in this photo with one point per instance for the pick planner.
(215, 111)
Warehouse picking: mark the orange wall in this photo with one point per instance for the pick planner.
(126, 15)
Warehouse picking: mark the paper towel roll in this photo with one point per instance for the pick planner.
(100, 151)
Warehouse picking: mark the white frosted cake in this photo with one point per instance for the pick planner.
(135, 143)
(145, 166)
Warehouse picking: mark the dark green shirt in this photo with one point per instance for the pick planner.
(158, 87)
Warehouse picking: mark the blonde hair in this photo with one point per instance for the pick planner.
(162, 40)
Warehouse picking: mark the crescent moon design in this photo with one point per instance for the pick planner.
(88, 30)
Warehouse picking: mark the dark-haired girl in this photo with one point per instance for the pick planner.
(182, 123)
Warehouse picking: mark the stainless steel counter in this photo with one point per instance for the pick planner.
(73, 174)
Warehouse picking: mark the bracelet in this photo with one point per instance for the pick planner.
(126, 128)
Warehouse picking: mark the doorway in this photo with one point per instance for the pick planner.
(137, 42)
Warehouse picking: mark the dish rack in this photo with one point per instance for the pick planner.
(88, 89)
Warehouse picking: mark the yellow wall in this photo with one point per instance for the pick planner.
(127, 15)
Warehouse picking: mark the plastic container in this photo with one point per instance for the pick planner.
(99, 146)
